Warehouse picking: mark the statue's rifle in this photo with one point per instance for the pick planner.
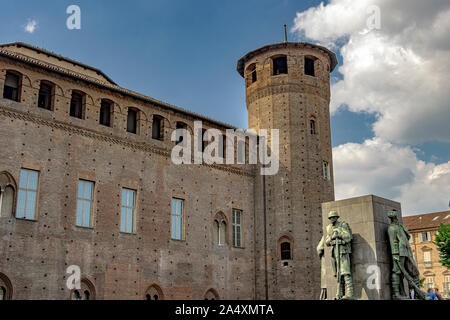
(338, 266)
(410, 280)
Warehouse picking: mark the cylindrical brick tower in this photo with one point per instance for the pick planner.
(288, 88)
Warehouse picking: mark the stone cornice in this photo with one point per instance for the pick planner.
(73, 129)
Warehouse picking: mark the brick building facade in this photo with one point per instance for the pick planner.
(86, 179)
(423, 229)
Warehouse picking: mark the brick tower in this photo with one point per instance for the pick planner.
(288, 88)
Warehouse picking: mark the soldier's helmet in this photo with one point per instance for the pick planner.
(333, 214)
(392, 214)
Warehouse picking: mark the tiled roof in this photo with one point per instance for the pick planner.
(106, 85)
(427, 221)
(55, 55)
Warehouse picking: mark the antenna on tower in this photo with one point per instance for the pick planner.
(285, 34)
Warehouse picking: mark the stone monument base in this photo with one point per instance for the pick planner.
(370, 258)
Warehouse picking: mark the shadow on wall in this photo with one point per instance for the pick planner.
(362, 255)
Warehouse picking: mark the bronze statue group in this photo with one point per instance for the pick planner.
(339, 237)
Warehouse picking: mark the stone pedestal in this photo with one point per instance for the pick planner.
(367, 217)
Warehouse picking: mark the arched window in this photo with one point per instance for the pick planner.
(76, 295)
(86, 292)
(312, 126)
(77, 104)
(5, 288)
(220, 229)
(132, 121)
(279, 65)
(2, 293)
(7, 194)
(106, 112)
(212, 294)
(154, 292)
(46, 94)
(12, 87)
(158, 128)
(6, 201)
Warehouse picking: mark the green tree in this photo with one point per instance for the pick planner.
(443, 242)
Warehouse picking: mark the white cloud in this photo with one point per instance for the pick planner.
(31, 26)
(384, 169)
(401, 73)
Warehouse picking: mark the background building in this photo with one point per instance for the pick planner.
(86, 180)
(423, 230)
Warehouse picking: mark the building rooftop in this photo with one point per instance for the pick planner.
(57, 56)
(282, 45)
(426, 221)
(53, 62)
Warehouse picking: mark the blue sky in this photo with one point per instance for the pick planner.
(185, 53)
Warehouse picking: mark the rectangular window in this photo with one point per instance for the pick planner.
(309, 67)
(132, 121)
(105, 114)
(312, 126)
(427, 259)
(237, 228)
(326, 170)
(76, 105)
(254, 78)
(280, 66)
(27, 195)
(222, 146)
(447, 286)
(127, 213)
(45, 96)
(201, 142)
(84, 203)
(157, 128)
(177, 218)
(430, 283)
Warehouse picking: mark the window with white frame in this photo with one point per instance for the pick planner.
(127, 215)
(177, 219)
(427, 259)
(237, 228)
(84, 203)
(430, 283)
(27, 195)
(447, 286)
(425, 236)
(326, 170)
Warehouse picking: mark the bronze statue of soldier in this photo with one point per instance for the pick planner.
(339, 236)
(403, 265)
